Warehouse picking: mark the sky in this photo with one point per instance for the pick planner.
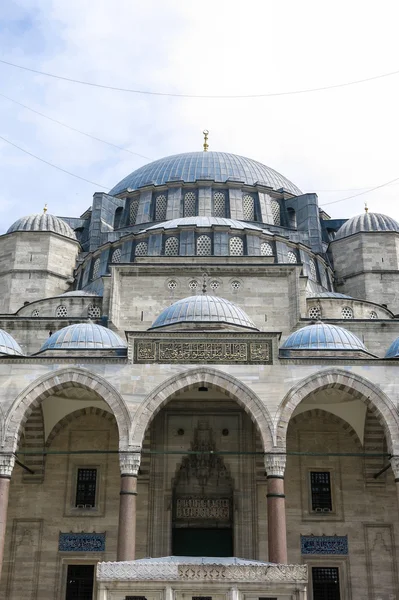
(336, 143)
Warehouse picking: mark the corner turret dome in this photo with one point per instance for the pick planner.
(43, 222)
(215, 166)
(83, 336)
(367, 222)
(8, 346)
(321, 336)
(203, 309)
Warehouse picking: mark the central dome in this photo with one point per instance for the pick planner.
(215, 166)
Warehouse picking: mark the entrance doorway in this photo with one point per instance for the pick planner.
(80, 582)
(187, 541)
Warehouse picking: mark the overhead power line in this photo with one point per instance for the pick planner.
(93, 137)
(377, 187)
(46, 162)
(205, 96)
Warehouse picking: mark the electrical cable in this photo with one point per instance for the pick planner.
(377, 187)
(198, 96)
(46, 162)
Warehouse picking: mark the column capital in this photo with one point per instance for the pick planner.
(129, 462)
(7, 462)
(394, 460)
(275, 464)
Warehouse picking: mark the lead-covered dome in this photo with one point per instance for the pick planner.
(83, 336)
(367, 222)
(322, 336)
(8, 346)
(393, 350)
(203, 309)
(43, 222)
(215, 166)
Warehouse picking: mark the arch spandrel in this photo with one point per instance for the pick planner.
(223, 382)
(55, 381)
(355, 385)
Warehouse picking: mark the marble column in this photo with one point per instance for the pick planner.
(395, 468)
(277, 529)
(7, 462)
(129, 465)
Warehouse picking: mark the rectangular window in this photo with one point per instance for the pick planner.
(80, 582)
(86, 485)
(320, 486)
(325, 582)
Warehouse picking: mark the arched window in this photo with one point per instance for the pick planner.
(373, 315)
(248, 208)
(219, 204)
(93, 312)
(189, 204)
(291, 218)
(292, 258)
(61, 311)
(204, 245)
(116, 256)
(96, 268)
(315, 312)
(276, 212)
(134, 207)
(172, 246)
(236, 246)
(266, 249)
(313, 271)
(141, 249)
(35, 313)
(347, 312)
(160, 208)
(118, 217)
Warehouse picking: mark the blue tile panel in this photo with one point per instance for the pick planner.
(367, 222)
(82, 336)
(203, 308)
(324, 544)
(322, 336)
(43, 222)
(8, 345)
(216, 166)
(81, 542)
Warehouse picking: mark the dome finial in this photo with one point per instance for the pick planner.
(206, 145)
(45, 209)
(366, 208)
(204, 281)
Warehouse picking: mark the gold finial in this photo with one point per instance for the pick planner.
(45, 209)
(366, 208)
(206, 145)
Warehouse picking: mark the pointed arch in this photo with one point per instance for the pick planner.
(305, 416)
(351, 383)
(76, 414)
(53, 382)
(223, 382)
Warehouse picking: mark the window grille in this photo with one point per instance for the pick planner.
(160, 208)
(248, 207)
(193, 285)
(135, 598)
(373, 315)
(266, 249)
(204, 245)
(219, 204)
(116, 256)
(172, 284)
(80, 582)
(235, 286)
(276, 212)
(189, 204)
(93, 312)
(35, 313)
(236, 246)
(61, 311)
(312, 267)
(201, 598)
(172, 246)
(214, 285)
(86, 485)
(134, 207)
(141, 249)
(325, 582)
(292, 257)
(320, 485)
(315, 312)
(96, 268)
(347, 312)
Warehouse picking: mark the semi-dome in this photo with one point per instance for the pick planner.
(203, 309)
(367, 222)
(393, 350)
(8, 346)
(216, 166)
(322, 336)
(43, 222)
(205, 222)
(83, 336)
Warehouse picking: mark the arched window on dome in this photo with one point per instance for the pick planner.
(189, 204)
(236, 246)
(266, 249)
(276, 212)
(133, 210)
(292, 257)
(347, 312)
(204, 245)
(96, 268)
(141, 249)
(116, 255)
(61, 311)
(219, 204)
(160, 207)
(312, 269)
(172, 246)
(248, 208)
(118, 217)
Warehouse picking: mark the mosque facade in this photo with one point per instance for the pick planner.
(199, 393)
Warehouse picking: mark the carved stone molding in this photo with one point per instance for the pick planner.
(7, 462)
(129, 463)
(395, 466)
(275, 464)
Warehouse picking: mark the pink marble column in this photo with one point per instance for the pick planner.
(129, 465)
(277, 529)
(7, 462)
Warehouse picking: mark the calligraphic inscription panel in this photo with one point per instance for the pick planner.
(81, 542)
(202, 351)
(324, 544)
(203, 508)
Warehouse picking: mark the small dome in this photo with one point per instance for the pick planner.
(205, 222)
(78, 293)
(203, 309)
(84, 336)
(43, 222)
(393, 350)
(322, 336)
(8, 346)
(367, 222)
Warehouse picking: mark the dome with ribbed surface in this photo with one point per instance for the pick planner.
(322, 336)
(215, 166)
(8, 346)
(83, 336)
(43, 222)
(203, 309)
(367, 222)
(393, 350)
